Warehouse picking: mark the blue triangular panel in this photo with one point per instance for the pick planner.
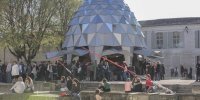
(97, 19)
(126, 40)
(96, 41)
(123, 20)
(104, 29)
(81, 42)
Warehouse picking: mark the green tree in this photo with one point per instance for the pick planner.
(64, 13)
(27, 24)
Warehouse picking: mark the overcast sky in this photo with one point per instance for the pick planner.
(157, 9)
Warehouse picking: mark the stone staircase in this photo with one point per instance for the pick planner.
(119, 86)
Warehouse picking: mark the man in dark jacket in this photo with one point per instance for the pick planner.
(162, 71)
(157, 72)
(198, 71)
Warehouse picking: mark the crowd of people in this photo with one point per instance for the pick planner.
(155, 69)
(22, 76)
(90, 71)
(49, 71)
(40, 71)
(183, 72)
(133, 86)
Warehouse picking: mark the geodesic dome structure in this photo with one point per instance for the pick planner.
(100, 23)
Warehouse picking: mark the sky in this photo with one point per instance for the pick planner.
(158, 9)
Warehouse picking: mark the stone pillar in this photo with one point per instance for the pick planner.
(95, 53)
(128, 57)
(69, 56)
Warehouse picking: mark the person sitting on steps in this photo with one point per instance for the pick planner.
(136, 84)
(29, 85)
(104, 86)
(19, 86)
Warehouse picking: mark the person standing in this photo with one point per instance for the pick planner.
(190, 73)
(8, 73)
(144, 63)
(152, 70)
(107, 71)
(125, 72)
(50, 71)
(69, 83)
(176, 72)
(198, 71)
(34, 71)
(182, 71)
(15, 71)
(157, 71)
(162, 72)
(23, 70)
(99, 71)
(91, 69)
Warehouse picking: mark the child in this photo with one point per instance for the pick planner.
(97, 95)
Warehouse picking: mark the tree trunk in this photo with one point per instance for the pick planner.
(28, 63)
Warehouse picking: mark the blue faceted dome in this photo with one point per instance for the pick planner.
(104, 23)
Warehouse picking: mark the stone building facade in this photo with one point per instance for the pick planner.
(178, 39)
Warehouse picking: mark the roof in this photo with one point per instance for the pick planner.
(104, 23)
(171, 21)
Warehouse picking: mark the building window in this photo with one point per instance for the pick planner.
(176, 40)
(197, 39)
(159, 40)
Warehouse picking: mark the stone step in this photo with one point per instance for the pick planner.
(117, 95)
(119, 86)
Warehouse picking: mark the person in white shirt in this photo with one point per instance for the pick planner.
(34, 71)
(15, 70)
(19, 86)
(50, 70)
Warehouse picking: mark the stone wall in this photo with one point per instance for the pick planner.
(90, 95)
